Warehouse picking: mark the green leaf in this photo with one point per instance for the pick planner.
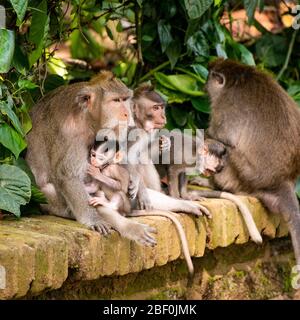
(171, 95)
(38, 31)
(173, 52)
(15, 189)
(109, 33)
(246, 55)
(37, 195)
(201, 104)
(26, 84)
(6, 109)
(181, 82)
(164, 32)
(119, 27)
(179, 115)
(196, 8)
(20, 7)
(20, 60)
(25, 119)
(11, 139)
(198, 44)
(200, 70)
(250, 6)
(7, 47)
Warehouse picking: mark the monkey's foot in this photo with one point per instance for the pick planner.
(101, 227)
(205, 210)
(140, 233)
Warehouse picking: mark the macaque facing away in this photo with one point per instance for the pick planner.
(258, 122)
(110, 181)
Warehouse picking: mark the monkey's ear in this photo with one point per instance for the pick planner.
(218, 78)
(118, 157)
(85, 98)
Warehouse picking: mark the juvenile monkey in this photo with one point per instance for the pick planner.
(59, 144)
(258, 123)
(149, 114)
(109, 181)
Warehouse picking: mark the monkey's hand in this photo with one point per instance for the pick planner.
(164, 144)
(144, 202)
(94, 172)
(215, 148)
(133, 187)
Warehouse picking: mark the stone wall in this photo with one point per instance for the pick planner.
(45, 255)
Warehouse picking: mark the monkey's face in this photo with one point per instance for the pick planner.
(154, 116)
(117, 110)
(102, 156)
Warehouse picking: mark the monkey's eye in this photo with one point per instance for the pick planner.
(116, 100)
(93, 154)
(155, 108)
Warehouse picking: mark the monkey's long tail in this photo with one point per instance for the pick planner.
(246, 214)
(180, 230)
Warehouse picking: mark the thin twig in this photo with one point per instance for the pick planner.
(288, 56)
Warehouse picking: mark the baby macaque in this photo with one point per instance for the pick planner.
(109, 180)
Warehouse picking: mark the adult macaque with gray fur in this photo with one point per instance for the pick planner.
(64, 126)
(258, 123)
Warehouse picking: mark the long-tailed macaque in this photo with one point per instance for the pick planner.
(258, 123)
(108, 182)
(64, 126)
(190, 152)
(149, 114)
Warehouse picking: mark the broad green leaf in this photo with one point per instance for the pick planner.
(198, 44)
(20, 60)
(26, 84)
(173, 52)
(38, 31)
(246, 55)
(250, 6)
(20, 7)
(171, 95)
(25, 119)
(11, 139)
(196, 8)
(15, 189)
(7, 47)
(181, 82)
(37, 195)
(201, 104)
(200, 70)
(180, 115)
(6, 109)
(38, 22)
(164, 32)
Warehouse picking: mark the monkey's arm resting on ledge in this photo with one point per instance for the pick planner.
(40, 253)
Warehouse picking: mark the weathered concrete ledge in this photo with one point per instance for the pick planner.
(40, 252)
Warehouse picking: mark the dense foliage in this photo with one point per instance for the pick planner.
(167, 42)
